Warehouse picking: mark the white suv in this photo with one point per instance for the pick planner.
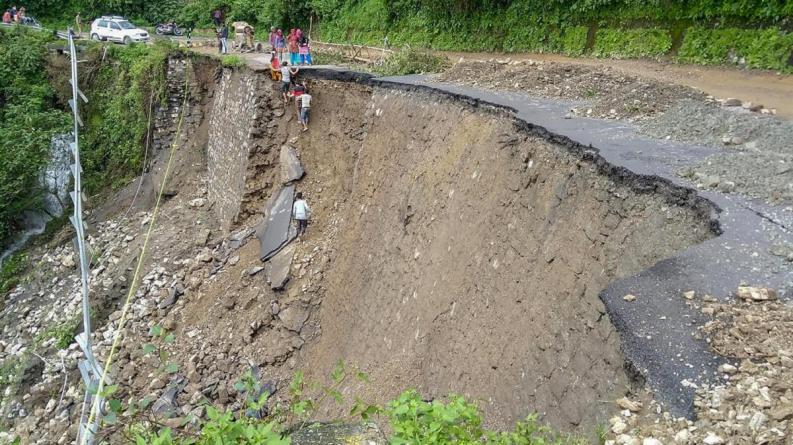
(117, 29)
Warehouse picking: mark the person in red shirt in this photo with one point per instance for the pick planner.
(292, 40)
(275, 66)
(7, 17)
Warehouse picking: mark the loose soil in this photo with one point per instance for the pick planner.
(753, 405)
(607, 93)
(451, 250)
(757, 160)
(757, 86)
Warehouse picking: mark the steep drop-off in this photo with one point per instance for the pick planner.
(463, 252)
(453, 248)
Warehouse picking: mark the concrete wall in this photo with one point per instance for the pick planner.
(232, 115)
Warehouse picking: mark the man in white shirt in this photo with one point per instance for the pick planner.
(301, 212)
(305, 108)
(286, 79)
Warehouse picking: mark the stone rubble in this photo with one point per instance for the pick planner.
(752, 403)
(192, 267)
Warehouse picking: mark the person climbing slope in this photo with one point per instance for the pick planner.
(301, 212)
(305, 108)
(286, 78)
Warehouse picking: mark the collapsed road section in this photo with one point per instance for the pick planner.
(461, 241)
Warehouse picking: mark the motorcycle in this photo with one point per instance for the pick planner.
(168, 29)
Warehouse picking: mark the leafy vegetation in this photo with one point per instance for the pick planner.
(122, 92)
(233, 61)
(608, 28)
(770, 48)
(11, 271)
(28, 121)
(411, 61)
(611, 28)
(63, 333)
(619, 43)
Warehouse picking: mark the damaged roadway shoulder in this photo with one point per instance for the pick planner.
(658, 328)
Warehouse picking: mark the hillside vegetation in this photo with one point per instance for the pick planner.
(28, 121)
(122, 83)
(751, 33)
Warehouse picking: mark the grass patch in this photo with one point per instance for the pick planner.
(411, 61)
(632, 43)
(767, 48)
(233, 61)
(11, 371)
(11, 271)
(63, 333)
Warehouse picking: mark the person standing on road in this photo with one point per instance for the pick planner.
(275, 67)
(7, 17)
(14, 13)
(286, 79)
(305, 51)
(224, 35)
(280, 45)
(271, 38)
(301, 212)
(291, 42)
(78, 24)
(305, 108)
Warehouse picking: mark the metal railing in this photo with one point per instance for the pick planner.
(90, 369)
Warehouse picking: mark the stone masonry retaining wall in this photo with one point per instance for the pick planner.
(232, 115)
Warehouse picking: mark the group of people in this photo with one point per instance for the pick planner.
(296, 44)
(14, 15)
(290, 88)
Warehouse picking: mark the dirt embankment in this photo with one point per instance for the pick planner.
(756, 156)
(450, 250)
(471, 257)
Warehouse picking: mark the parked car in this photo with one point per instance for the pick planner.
(117, 29)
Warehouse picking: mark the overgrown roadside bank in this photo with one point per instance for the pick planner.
(755, 35)
(125, 86)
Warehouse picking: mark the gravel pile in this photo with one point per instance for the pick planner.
(754, 403)
(758, 156)
(607, 93)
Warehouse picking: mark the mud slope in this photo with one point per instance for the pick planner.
(470, 256)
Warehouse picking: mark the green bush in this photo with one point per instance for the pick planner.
(627, 43)
(11, 272)
(417, 422)
(117, 115)
(233, 61)
(547, 39)
(63, 333)
(28, 121)
(411, 61)
(768, 49)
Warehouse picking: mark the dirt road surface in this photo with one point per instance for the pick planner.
(760, 87)
(768, 88)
